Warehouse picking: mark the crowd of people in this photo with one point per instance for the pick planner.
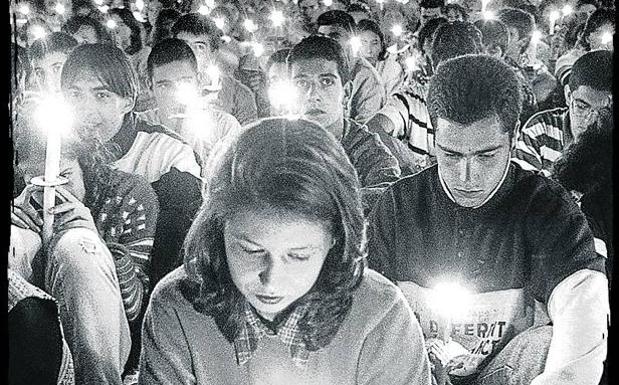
(311, 192)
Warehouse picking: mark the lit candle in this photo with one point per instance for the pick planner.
(250, 26)
(488, 15)
(139, 5)
(355, 45)
(567, 10)
(204, 10)
(38, 32)
(484, 5)
(607, 37)
(277, 17)
(59, 9)
(103, 8)
(283, 97)
(327, 3)
(258, 48)
(24, 9)
(397, 30)
(450, 300)
(55, 118)
(554, 16)
(110, 23)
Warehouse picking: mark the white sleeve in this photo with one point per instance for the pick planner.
(579, 310)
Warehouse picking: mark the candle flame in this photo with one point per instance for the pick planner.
(24, 9)
(204, 10)
(567, 10)
(355, 45)
(38, 32)
(277, 17)
(59, 9)
(103, 8)
(327, 3)
(536, 36)
(110, 23)
(258, 49)
(397, 30)
(488, 15)
(450, 298)
(283, 97)
(53, 115)
(250, 26)
(139, 5)
(607, 37)
(554, 16)
(186, 94)
(219, 22)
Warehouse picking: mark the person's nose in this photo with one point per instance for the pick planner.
(464, 169)
(271, 272)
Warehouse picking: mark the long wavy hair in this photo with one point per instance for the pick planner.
(281, 164)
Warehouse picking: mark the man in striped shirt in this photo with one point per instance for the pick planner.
(404, 123)
(547, 134)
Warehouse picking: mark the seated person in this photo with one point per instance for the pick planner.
(317, 67)
(86, 30)
(586, 170)
(367, 94)
(203, 37)
(547, 134)
(404, 123)
(97, 262)
(274, 289)
(47, 56)
(39, 353)
(538, 301)
(100, 85)
(173, 75)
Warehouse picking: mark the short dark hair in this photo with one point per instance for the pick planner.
(427, 31)
(136, 32)
(162, 28)
(321, 47)
(522, 21)
(359, 7)
(469, 88)
(598, 19)
(105, 61)
(167, 51)
(432, 4)
(73, 25)
(277, 57)
(337, 17)
(55, 42)
(372, 26)
(197, 24)
(593, 69)
(287, 166)
(493, 33)
(457, 8)
(455, 39)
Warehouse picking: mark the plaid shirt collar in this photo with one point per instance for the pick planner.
(288, 331)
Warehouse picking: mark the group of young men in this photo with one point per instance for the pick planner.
(482, 211)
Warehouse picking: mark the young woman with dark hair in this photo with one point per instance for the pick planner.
(374, 50)
(274, 287)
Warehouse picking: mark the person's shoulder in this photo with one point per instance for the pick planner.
(375, 297)
(418, 181)
(553, 117)
(540, 191)
(145, 123)
(174, 289)
(125, 184)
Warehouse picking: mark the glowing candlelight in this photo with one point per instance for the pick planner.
(451, 300)
(258, 49)
(139, 5)
(24, 9)
(99, 2)
(536, 37)
(488, 15)
(210, 3)
(277, 17)
(327, 3)
(59, 9)
(355, 45)
(103, 8)
(554, 16)
(484, 5)
(139, 17)
(283, 97)
(204, 10)
(250, 26)
(412, 62)
(38, 32)
(397, 30)
(567, 10)
(55, 117)
(607, 37)
(110, 23)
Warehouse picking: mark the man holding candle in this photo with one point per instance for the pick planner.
(204, 37)
(515, 239)
(367, 94)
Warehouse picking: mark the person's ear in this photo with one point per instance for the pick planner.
(567, 93)
(127, 104)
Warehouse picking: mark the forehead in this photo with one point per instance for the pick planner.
(368, 35)
(594, 97)
(484, 133)
(190, 38)
(318, 66)
(308, 3)
(87, 80)
(174, 70)
(329, 29)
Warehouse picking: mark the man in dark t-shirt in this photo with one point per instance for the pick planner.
(513, 239)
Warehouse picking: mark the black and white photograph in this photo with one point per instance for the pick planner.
(310, 192)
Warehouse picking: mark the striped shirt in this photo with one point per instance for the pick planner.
(543, 139)
(408, 112)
